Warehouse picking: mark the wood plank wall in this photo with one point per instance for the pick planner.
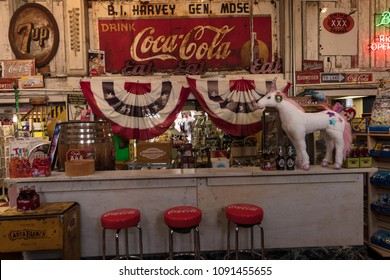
(67, 62)
(307, 41)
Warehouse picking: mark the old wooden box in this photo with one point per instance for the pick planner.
(52, 226)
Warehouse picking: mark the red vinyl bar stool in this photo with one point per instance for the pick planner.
(183, 219)
(245, 216)
(119, 219)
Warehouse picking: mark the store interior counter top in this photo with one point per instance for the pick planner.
(319, 207)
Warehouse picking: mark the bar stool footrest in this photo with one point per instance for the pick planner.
(243, 252)
(186, 254)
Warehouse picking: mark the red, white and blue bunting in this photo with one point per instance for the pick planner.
(144, 110)
(136, 110)
(231, 104)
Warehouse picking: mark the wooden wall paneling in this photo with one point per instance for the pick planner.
(6, 51)
(58, 64)
(93, 21)
(311, 27)
(268, 8)
(283, 36)
(91, 33)
(371, 32)
(363, 10)
(344, 61)
(298, 34)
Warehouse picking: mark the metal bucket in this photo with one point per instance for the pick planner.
(87, 140)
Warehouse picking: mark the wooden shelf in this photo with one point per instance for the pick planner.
(377, 221)
(382, 252)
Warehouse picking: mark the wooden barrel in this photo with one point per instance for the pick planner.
(87, 140)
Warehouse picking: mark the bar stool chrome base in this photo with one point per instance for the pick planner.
(251, 252)
(127, 256)
(195, 254)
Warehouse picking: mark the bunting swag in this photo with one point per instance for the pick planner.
(136, 110)
(231, 104)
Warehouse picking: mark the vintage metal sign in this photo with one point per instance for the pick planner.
(33, 33)
(332, 77)
(222, 43)
(307, 77)
(310, 65)
(15, 68)
(358, 77)
(338, 32)
(7, 83)
(338, 23)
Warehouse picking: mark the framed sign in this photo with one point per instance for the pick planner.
(33, 33)
(15, 68)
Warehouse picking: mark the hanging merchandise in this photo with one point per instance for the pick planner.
(136, 110)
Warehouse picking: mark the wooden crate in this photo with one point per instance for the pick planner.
(52, 226)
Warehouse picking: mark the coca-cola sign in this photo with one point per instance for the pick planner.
(221, 43)
(16, 68)
(358, 77)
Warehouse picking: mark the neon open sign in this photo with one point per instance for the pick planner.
(382, 44)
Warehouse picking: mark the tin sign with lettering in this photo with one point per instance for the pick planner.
(333, 77)
(221, 43)
(358, 77)
(309, 65)
(307, 77)
(338, 32)
(15, 68)
(338, 23)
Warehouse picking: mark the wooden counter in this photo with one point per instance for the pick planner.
(320, 207)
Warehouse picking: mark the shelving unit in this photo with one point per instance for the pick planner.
(6, 132)
(377, 221)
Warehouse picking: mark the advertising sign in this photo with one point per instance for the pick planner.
(307, 77)
(332, 77)
(15, 68)
(338, 33)
(7, 83)
(221, 43)
(359, 77)
(313, 65)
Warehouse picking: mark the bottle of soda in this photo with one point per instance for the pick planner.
(280, 160)
(13, 166)
(266, 160)
(290, 162)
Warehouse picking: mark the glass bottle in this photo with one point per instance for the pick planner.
(187, 159)
(266, 160)
(290, 162)
(280, 160)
